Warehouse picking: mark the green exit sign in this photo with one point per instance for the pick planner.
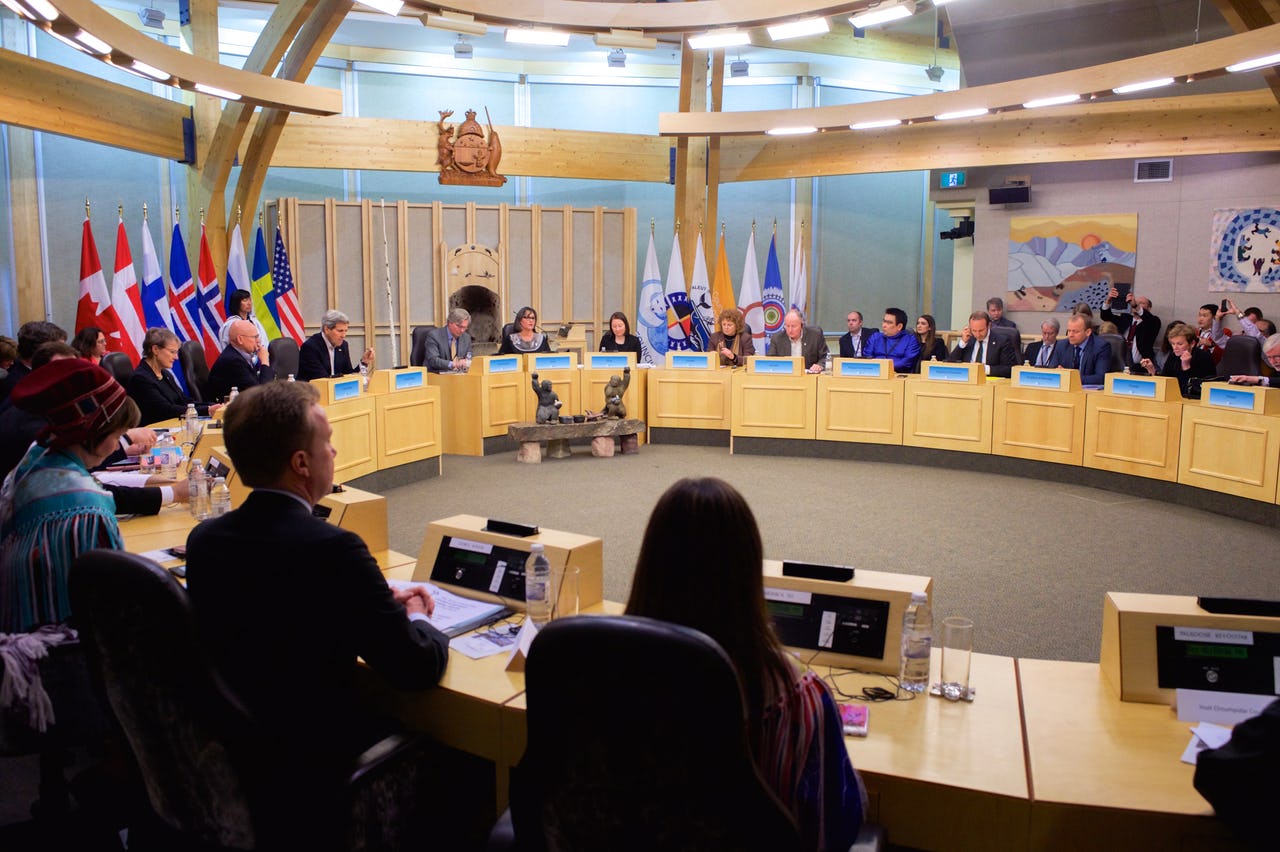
(951, 180)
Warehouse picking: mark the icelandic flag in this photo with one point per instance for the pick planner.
(774, 312)
(749, 295)
(94, 307)
(679, 308)
(704, 318)
(211, 314)
(126, 299)
(291, 324)
(262, 290)
(651, 313)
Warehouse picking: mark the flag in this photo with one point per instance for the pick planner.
(291, 324)
(126, 298)
(651, 313)
(94, 308)
(679, 308)
(749, 295)
(184, 298)
(722, 284)
(211, 314)
(155, 300)
(264, 294)
(772, 301)
(703, 317)
(237, 271)
(799, 277)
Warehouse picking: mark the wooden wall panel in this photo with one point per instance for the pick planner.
(421, 265)
(310, 259)
(550, 273)
(584, 280)
(519, 270)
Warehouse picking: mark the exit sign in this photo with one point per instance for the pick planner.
(951, 180)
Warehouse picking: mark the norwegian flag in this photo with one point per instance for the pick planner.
(211, 312)
(126, 298)
(184, 298)
(286, 295)
(94, 308)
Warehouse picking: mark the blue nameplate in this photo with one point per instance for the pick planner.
(346, 390)
(1052, 381)
(859, 369)
(689, 362)
(408, 380)
(1228, 398)
(508, 364)
(943, 373)
(608, 362)
(777, 368)
(1133, 387)
(552, 362)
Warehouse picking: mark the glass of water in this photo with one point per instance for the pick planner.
(957, 654)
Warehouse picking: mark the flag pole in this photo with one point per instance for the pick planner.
(386, 263)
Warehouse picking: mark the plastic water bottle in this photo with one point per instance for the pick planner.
(826, 363)
(291, 378)
(167, 451)
(537, 586)
(199, 490)
(192, 422)
(364, 376)
(917, 642)
(219, 498)
(231, 397)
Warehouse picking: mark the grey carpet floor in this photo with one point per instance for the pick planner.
(1028, 560)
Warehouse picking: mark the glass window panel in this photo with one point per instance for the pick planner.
(616, 109)
(385, 95)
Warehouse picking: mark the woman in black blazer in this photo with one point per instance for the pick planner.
(619, 337)
(153, 387)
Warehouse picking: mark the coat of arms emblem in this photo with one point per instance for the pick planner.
(466, 157)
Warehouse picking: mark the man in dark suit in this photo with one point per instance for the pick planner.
(31, 336)
(1138, 325)
(449, 347)
(326, 354)
(286, 603)
(854, 343)
(978, 344)
(243, 364)
(1085, 351)
(1043, 352)
(795, 339)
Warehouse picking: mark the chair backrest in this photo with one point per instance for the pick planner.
(1117, 352)
(195, 368)
(650, 752)
(1241, 357)
(418, 350)
(119, 366)
(283, 352)
(182, 725)
(1012, 336)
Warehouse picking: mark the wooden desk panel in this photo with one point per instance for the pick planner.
(689, 399)
(477, 405)
(944, 775)
(1138, 437)
(409, 426)
(1106, 774)
(1234, 452)
(867, 411)
(948, 416)
(355, 436)
(774, 406)
(1042, 425)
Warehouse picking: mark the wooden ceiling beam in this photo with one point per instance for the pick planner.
(1245, 15)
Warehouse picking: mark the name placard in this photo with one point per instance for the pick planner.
(346, 389)
(1226, 397)
(562, 361)
(688, 361)
(1039, 380)
(407, 380)
(1142, 388)
(946, 373)
(504, 364)
(774, 366)
(859, 369)
(609, 360)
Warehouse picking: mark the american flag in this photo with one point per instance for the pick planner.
(286, 295)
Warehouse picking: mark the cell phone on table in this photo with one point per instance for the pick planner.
(178, 551)
(853, 718)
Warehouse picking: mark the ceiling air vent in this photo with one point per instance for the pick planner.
(1152, 171)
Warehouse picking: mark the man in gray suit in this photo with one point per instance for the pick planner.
(449, 348)
(795, 339)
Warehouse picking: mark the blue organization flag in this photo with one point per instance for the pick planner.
(772, 297)
(651, 313)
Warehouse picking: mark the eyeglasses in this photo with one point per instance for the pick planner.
(171, 351)
(1274, 360)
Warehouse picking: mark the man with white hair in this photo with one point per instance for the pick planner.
(1271, 354)
(326, 354)
(243, 364)
(797, 341)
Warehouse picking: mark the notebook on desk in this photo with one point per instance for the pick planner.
(455, 614)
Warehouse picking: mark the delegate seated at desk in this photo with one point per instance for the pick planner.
(326, 354)
(977, 345)
(795, 340)
(1085, 351)
(895, 341)
(153, 386)
(1186, 360)
(524, 337)
(702, 544)
(449, 348)
(286, 603)
(241, 365)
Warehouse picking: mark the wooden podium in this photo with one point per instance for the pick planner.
(351, 414)
(481, 403)
(689, 392)
(861, 401)
(1039, 414)
(1231, 441)
(774, 398)
(949, 407)
(1134, 426)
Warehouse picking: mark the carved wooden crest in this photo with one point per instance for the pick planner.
(465, 156)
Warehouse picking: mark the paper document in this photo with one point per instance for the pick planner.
(454, 614)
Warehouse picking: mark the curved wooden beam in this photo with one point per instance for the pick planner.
(1199, 60)
(130, 44)
(650, 17)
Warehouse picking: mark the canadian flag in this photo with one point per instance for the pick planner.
(126, 298)
(94, 307)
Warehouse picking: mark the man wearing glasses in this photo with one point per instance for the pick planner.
(1271, 354)
(242, 364)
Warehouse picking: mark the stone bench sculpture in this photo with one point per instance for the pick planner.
(557, 435)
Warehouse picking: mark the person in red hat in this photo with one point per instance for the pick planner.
(51, 509)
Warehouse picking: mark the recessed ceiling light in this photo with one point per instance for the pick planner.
(872, 125)
(883, 16)
(148, 70)
(795, 29)
(537, 35)
(216, 92)
(1143, 86)
(1054, 101)
(798, 130)
(386, 7)
(720, 38)
(1251, 64)
(962, 113)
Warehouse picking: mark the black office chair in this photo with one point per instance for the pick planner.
(196, 370)
(1242, 356)
(283, 352)
(1117, 352)
(418, 349)
(119, 366)
(650, 752)
(1012, 336)
(212, 775)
